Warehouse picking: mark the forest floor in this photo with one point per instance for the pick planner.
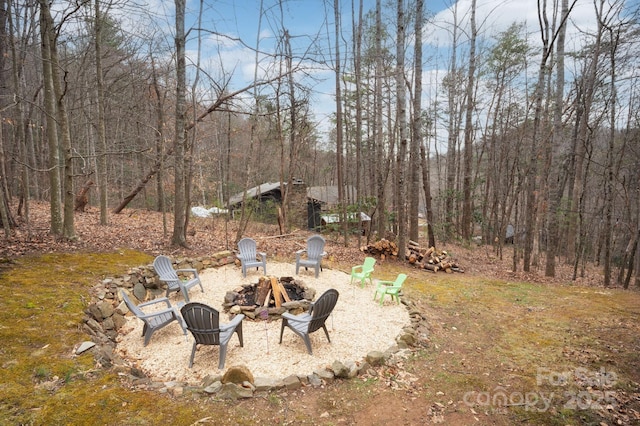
(502, 347)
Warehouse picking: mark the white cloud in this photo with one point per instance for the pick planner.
(494, 16)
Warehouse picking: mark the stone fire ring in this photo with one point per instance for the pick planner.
(358, 327)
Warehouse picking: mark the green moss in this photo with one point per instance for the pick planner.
(41, 314)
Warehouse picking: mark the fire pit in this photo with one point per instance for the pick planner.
(269, 298)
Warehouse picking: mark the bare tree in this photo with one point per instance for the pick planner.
(614, 32)
(47, 32)
(378, 135)
(401, 103)
(467, 221)
(357, 65)
(532, 174)
(451, 85)
(102, 134)
(416, 128)
(558, 136)
(339, 124)
(179, 237)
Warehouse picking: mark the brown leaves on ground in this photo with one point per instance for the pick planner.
(151, 231)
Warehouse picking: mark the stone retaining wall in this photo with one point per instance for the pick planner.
(106, 313)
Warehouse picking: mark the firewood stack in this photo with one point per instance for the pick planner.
(381, 248)
(424, 258)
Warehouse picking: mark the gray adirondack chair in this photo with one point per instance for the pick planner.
(203, 322)
(155, 320)
(305, 324)
(314, 251)
(168, 275)
(249, 256)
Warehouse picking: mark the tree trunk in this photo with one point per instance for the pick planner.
(339, 129)
(467, 221)
(358, 112)
(102, 133)
(614, 38)
(159, 110)
(179, 232)
(416, 134)
(532, 175)
(46, 31)
(452, 139)
(68, 229)
(557, 140)
(379, 137)
(20, 128)
(403, 134)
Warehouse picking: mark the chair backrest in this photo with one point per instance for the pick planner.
(315, 247)
(164, 268)
(247, 248)
(322, 308)
(368, 264)
(203, 322)
(132, 306)
(399, 280)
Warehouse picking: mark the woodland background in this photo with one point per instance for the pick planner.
(530, 141)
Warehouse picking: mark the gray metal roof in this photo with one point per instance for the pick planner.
(324, 194)
(254, 192)
(328, 194)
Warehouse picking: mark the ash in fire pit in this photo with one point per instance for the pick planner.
(270, 297)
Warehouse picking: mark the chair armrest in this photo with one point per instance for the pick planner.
(158, 313)
(188, 271)
(263, 255)
(233, 323)
(386, 283)
(356, 268)
(155, 301)
(299, 318)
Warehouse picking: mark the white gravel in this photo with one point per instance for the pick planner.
(357, 326)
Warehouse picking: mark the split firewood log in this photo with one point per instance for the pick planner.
(275, 288)
(264, 286)
(283, 292)
(431, 267)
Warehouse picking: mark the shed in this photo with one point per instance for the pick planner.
(265, 191)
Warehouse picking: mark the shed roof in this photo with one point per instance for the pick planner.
(254, 192)
(328, 194)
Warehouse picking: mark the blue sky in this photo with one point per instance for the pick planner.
(307, 20)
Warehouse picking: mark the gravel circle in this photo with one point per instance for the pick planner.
(357, 326)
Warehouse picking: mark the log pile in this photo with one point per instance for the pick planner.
(382, 248)
(431, 259)
(424, 258)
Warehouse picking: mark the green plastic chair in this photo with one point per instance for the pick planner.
(364, 271)
(392, 288)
